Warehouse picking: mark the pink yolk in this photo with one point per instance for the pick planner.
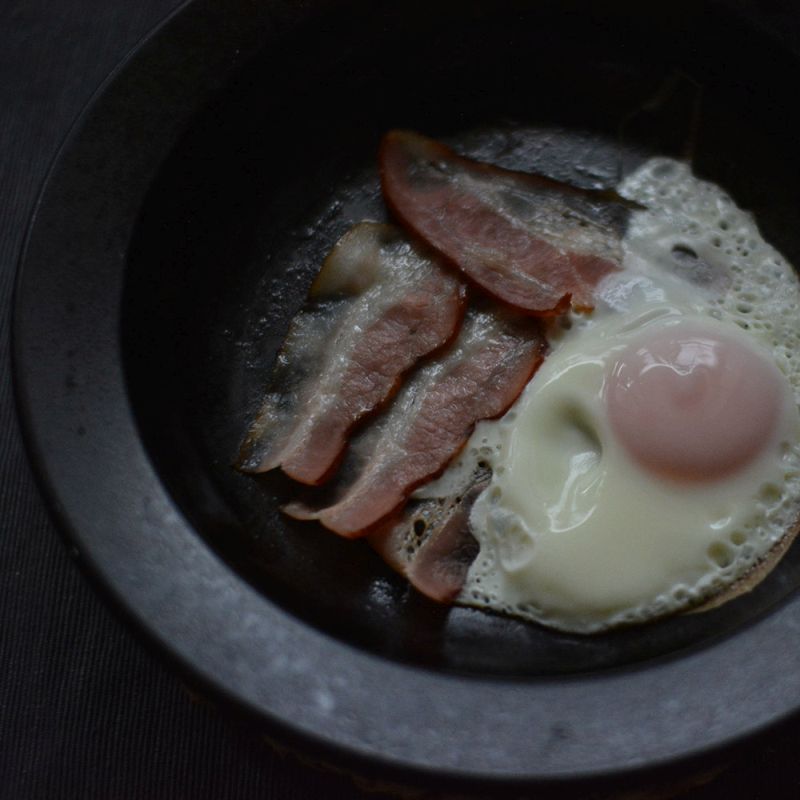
(692, 404)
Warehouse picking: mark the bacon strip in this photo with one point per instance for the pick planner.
(479, 377)
(529, 241)
(387, 305)
(430, 542)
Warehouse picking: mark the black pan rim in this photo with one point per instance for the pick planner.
(707, 700)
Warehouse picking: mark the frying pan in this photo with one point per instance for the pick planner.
(175, 238)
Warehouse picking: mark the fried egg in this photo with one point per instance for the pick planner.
(654, 459)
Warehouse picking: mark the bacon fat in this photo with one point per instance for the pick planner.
(377, 306)
(529, 241)
(430, 542)
(478, 377)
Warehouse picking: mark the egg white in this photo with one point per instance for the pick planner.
(573, 534)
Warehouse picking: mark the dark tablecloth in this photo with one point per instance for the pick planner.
(86, 709)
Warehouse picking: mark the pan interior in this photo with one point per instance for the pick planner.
(282, 162)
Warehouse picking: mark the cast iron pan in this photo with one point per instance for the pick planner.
(176, 237)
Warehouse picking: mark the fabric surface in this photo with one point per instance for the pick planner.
(86, 709)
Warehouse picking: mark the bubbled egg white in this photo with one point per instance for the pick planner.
(573, 532)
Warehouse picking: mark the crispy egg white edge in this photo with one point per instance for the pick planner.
(746, 283)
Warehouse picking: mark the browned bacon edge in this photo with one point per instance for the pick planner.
(429, 542)
(478, 377)
(534, 243)
(378, 305)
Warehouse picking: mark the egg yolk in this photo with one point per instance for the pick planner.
(692, 403)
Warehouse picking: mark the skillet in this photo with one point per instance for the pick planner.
(176, 236)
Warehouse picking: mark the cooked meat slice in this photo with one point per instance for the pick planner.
(377, 306)
(529, 241)
(478, 377)
(429, 541)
